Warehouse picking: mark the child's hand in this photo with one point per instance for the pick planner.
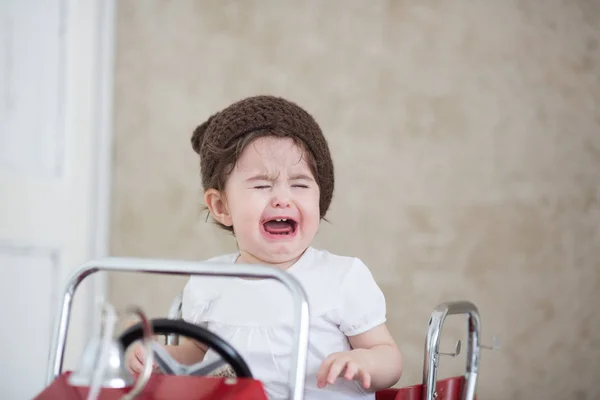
(135, 359)
(350, 364)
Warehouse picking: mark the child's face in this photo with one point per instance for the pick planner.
(273, 201)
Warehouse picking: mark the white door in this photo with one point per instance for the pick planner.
(55, 64)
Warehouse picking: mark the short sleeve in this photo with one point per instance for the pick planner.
(363, 303)
(196, 299)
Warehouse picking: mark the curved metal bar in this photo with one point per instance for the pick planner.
(430, 364)
(144, 377)
(175, 313)
(177, 267)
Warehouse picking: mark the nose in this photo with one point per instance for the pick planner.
(281, 199)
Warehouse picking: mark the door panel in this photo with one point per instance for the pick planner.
(54, 97)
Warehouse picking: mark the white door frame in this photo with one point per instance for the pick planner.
(90, 40)
(103, 95)
(100, 18)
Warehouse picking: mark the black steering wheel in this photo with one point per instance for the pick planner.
(165, 326)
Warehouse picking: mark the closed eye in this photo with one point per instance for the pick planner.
(300, 186)
(262, 187)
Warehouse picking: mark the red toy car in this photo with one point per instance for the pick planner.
(109, 380)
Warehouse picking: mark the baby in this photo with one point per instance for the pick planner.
(268, 178)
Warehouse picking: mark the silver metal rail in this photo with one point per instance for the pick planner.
(431, 362)
(175, 267)
(175, 312)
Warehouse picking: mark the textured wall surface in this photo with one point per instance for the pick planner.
(466, 139)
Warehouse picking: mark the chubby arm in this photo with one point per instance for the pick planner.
(375, 360)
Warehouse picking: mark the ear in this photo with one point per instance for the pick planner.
(217, 205)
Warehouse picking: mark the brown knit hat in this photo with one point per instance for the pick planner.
(263, 115)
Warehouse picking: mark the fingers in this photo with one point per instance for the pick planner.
(335, 366)
(336, 369)
(324, 370)
(351, 370)
(365, 378)
(134, 364)
(136, 359)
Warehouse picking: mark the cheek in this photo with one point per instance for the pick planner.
(310, 206)
(247, 205)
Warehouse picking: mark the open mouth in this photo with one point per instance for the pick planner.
(280, 226)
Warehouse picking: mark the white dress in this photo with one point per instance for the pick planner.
(256, 317)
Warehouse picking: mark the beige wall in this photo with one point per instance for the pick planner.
(466, 137)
